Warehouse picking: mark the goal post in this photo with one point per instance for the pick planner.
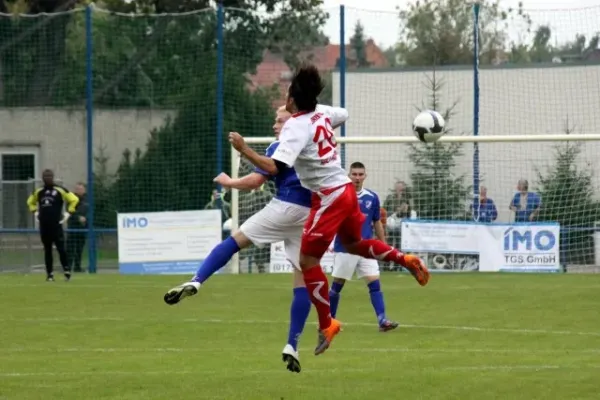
(433, 209)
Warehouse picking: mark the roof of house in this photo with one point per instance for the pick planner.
(274, 71)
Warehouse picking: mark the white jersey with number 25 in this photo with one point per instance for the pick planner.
(307, 143)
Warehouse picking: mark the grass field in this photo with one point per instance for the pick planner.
(465, 336)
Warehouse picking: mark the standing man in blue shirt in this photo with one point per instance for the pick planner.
(344, 264)
(484, 210)
(525, 204)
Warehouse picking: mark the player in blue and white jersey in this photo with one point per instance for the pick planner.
(282, 219)
(346, 264)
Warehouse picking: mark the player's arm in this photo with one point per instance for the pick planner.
(69, 198)
(251, 181)
(377, 224)
(337, 115)
(32, 201)
(379, 230)
(262, 162)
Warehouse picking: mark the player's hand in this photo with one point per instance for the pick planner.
(237, 141)
(223, 179)
(65, 218)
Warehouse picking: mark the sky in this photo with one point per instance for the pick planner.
(379, 17)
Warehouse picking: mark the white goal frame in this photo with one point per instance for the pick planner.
(235, 157)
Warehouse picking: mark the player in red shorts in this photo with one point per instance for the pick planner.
(307, 143)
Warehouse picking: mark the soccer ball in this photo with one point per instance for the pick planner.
(428, 126)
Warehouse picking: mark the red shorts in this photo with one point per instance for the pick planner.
(334, 211)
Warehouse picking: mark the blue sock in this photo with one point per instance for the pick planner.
(377, 300)
(299, 311)
(334, 297)
(218, 257)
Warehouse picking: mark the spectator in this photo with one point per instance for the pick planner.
(484, 210)
(525, 204)
(399, 200)
(76, 240)
(217, 202)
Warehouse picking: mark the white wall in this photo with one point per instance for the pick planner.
(62, 135)
(513, 101)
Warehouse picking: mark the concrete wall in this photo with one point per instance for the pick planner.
(62, 135)
(513, 101)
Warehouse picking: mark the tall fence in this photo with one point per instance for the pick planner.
(137, 106)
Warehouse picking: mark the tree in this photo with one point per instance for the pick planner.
(32, 51)
(359, 45)
(438, 192)
(175, 169)
(145, 60)
(440, 32)
(567, 193)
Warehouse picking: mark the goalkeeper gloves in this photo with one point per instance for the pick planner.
(65, 218)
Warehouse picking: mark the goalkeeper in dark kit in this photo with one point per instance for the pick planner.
(47, 203)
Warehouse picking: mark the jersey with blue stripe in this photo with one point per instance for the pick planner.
(369, 206)
(287, 183)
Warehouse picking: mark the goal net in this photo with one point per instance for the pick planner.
(536, 207)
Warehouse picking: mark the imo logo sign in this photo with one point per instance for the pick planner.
(515, 240)
(140, 222)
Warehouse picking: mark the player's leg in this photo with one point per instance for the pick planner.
(344, 266)
(59, 242)
(326, 215)
(368, 269)
(300, 306)
(46, 237)
(216, 259)
(269, 225)
(350, 236)
(299, 311)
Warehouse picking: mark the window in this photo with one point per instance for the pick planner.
(18, 167)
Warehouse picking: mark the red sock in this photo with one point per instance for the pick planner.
(377, 250)
(318, 289)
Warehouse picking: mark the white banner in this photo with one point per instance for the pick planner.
(484, 247)
(166, 242)
(279, 263)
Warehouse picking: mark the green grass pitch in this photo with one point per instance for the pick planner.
(464, 336)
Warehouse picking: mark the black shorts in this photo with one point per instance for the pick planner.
(51, 233)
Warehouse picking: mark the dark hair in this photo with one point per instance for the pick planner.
(305, 87)
(357, 164)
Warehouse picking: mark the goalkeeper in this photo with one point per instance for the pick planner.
(47, 203)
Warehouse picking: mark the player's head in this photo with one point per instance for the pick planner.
(281, 116)
(304, 90)
(48, 177)
(357, 174)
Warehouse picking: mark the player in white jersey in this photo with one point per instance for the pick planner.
(307, 143)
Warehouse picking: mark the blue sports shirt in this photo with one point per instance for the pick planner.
(369, 206)
(484, 211)
(287, 183)
(532, 202)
